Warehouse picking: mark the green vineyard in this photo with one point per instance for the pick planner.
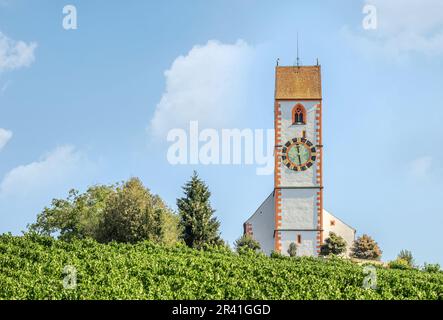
(34, 267)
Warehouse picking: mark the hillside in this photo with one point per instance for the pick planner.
(32, 268)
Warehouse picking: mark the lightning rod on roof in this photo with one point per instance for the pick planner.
(298, 57)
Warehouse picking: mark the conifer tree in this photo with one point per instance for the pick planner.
(334, 244)
(199, 225)
(292, 250)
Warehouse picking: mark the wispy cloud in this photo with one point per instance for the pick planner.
(404, 27)
(421, 167)
(53, 169)
(15, 54)
(5, 136)
(26, 189)
(204, 85)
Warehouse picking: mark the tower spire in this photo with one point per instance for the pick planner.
(298, 57)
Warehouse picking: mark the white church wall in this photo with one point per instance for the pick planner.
(334, 224)
(263, 224)
(307, 247)
(299, 209)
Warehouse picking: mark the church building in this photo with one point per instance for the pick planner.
(293, 212)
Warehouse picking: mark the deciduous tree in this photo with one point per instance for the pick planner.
(366, 248)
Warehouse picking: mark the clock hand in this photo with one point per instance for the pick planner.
(298, 154)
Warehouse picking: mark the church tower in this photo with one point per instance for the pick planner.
(298, 184)
(293, 212)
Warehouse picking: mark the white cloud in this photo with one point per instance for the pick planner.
(52, 170)
(27, 189)
(403, 27)
(5, 136)
(421, 167)
(207, 85)
(15, 54)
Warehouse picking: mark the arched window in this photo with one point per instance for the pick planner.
(298, 115)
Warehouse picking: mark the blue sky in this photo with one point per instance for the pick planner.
(92, 105)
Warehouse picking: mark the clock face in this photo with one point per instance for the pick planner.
(299, 154)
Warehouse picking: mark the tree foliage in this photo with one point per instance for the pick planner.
(196, 214)
(366, 248)
(246, 242)
(125, 212)
(277, 255)
(407, 256)
(292, 250)
(78, 216)
(334, 244)
(431, 267)
(400, 264)
(133, 214)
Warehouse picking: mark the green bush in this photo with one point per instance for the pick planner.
(277, 255)
(407, 256)
(246, 242)
(34, 267)
(432, 268)
(292, 251)
(399, 263)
